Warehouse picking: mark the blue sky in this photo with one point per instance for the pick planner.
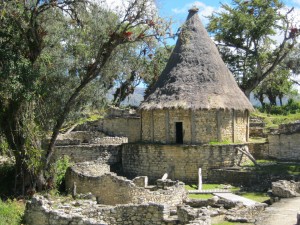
(178, 9)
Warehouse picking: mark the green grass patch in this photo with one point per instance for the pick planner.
(261, 162)
(274, 167)
(209, 187)
(256, 196)
(11, 212)
(280, 168)
(273, 121)
(200, 196)
(225, 142)
(258, 140)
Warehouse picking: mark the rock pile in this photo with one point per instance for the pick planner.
(286, 189)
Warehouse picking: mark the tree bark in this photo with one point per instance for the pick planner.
(248, 154)
(13, 129)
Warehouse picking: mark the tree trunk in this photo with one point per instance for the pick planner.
(92, 72)
(272, 99)
(247, 93)
(280, 100)
(13, 129)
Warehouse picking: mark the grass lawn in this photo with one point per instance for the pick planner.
(273, 121)
(200, 196)
(274, 167)
(209, 187)
(255, 196)
(206, 187)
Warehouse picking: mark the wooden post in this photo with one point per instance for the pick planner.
(219, 125)
(167, 116)
(248, 125)
(192, 115)
(233, 125)
(152, 125)
(199, 179)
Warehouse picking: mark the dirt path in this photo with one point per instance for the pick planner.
(283, 212)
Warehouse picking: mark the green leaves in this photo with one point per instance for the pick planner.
(245, 35)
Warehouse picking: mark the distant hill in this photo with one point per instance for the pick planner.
(134, 99)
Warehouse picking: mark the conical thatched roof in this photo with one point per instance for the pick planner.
(196, 76)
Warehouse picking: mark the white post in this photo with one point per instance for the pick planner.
(199, 179)
(165, 176)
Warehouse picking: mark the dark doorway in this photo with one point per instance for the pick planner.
(179, 133)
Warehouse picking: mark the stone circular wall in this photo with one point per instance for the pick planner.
(90, 169)
(181, 162)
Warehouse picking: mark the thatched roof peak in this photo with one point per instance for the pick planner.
(195, 76)
(194, 9)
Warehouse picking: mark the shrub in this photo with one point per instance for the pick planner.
(292, 107)
(11, 212)
(59, 170)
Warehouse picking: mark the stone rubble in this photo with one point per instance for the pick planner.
(286, 189)
(62, 211)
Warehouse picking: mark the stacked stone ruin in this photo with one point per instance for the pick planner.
(195, 101)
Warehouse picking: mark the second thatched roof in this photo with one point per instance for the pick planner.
(196, 76)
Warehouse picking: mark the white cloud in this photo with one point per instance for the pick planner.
(120, 6)
(296, 2)
(204, 10)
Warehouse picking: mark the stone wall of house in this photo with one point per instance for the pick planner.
(241, 129)
(179, 161)
(200, 126)
(111, 189)
(109, 154)
(47, 211)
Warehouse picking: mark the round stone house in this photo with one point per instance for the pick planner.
(196, 99)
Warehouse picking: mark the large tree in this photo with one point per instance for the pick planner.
(52, 52)
(276, 85)
(245, 34)
(142, 66)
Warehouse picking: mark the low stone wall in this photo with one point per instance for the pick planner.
(42, 211)
(289, 128)
(181, 162)
(109, 154)
(259, 150)
(81, 136)
(233, 177)
(284, 146)
(257, 132)
(89, 137)
(111, 189)
(93, 168)
(129, 127)
(110, 140)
